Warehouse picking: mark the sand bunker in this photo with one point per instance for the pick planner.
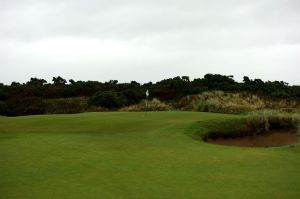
(270, 139)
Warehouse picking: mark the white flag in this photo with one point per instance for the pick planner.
(147, 93)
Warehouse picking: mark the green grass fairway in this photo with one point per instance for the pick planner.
(137, 156)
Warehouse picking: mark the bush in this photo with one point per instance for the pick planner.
(107, 99)
(280, 94)
(66, 105)
(26, 106)
(3, 95)
(3, 108)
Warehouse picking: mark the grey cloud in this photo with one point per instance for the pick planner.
(131, 18)
(190, 36)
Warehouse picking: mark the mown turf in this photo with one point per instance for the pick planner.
(136, 156)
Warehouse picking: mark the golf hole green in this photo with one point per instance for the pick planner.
(273, 138)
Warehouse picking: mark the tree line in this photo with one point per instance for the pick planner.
(28, 98)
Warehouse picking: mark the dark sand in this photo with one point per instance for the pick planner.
(270, 139)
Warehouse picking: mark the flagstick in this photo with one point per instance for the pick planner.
(147, 94)
(146, 106)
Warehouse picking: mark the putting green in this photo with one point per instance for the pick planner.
(136, 156)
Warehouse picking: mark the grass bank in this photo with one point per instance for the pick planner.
(254, 123)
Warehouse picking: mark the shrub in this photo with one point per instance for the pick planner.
(66, 105)
(26, 106)
(107, 99)
(3, 108)
(3, 95)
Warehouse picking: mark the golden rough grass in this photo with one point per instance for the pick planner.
(225, 102)
(148, 105)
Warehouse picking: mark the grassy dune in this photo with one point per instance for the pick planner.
(137, 155)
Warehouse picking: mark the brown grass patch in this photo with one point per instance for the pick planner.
(148, 105)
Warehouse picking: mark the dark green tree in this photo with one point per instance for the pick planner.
(59, 80)
(36, 82)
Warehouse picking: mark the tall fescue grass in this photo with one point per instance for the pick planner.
(267, 120)
(242, 102)
(255, 123)
(148, 105)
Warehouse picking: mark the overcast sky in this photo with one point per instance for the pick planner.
(149, 40)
